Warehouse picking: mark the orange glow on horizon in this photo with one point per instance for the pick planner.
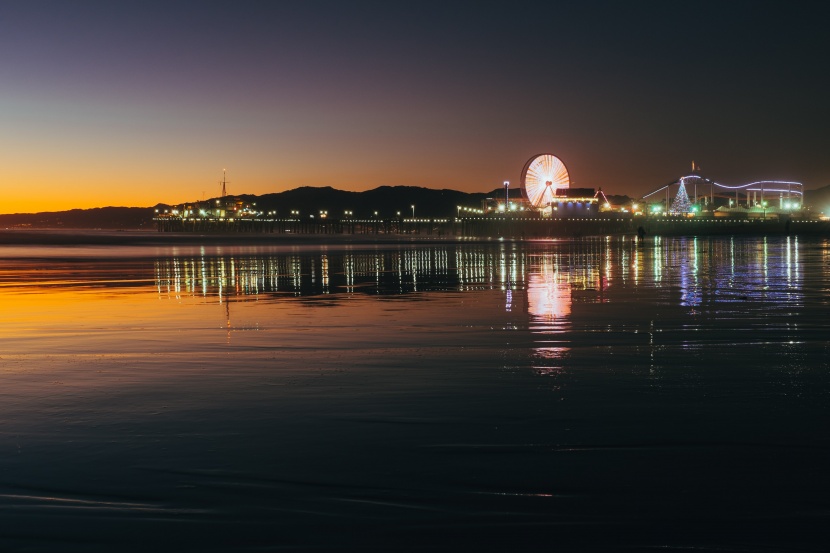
(42, 191)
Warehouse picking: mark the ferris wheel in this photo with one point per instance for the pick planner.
(541, 176)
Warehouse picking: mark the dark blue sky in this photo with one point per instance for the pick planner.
(131, 103)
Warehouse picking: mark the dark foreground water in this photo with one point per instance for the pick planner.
(587, 395)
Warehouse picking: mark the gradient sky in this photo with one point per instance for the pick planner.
(138, 102)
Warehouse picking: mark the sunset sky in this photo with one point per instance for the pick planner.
(131, 103)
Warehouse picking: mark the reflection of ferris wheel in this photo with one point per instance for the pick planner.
(541, 176)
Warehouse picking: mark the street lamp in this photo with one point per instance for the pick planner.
(413, 211)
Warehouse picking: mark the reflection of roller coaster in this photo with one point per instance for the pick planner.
(694, 191)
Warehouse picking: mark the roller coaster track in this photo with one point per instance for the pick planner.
(763, 186)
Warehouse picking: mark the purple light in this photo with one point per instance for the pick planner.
(763, 183)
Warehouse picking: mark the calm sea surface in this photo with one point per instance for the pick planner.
(590, 395)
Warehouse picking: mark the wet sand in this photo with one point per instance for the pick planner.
(573, 395)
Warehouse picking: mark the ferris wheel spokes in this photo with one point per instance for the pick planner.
(542, 175)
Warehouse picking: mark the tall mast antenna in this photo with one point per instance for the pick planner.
(224, 184)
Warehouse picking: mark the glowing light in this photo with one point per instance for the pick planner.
(542, 175)
(548, 295)
(757, 186)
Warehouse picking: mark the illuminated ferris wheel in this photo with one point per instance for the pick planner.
(541, 176)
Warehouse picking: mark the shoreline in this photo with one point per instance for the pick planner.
(136, 237)
(104, 237)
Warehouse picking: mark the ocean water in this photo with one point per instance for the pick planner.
(575, 395)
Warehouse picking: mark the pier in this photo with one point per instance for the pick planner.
(496, 226)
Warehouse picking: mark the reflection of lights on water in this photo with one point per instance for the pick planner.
(546, 297)
(348, 271)
(555, 356)
(296, 271)
(690, 293)
(324, 268)
(549, 306)
(547, 281)
(796, 263)
(303, 274)
(550, 281)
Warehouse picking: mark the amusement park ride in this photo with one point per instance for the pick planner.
(546, 190)
(768, 197)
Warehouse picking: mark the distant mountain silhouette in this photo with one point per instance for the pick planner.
(99, 217)
(386, 200)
